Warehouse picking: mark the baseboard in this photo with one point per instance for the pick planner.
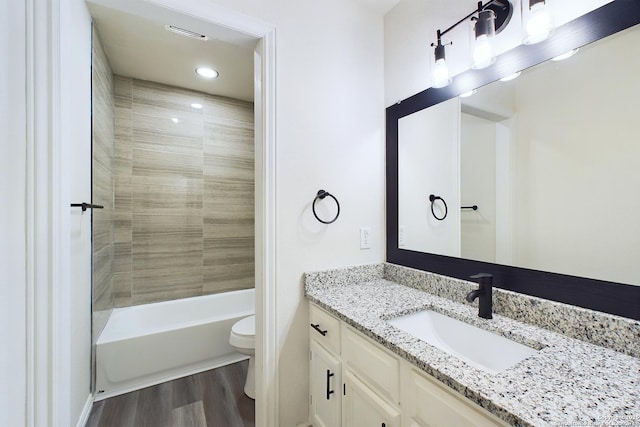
(86, 411)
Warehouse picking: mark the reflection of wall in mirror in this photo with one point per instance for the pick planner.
(578, 175)
(486, 175)
(428, 164)
(478, 187)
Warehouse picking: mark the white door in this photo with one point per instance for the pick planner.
(75, 119)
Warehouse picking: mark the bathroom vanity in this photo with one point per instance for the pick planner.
(367, 372)
(360, 383)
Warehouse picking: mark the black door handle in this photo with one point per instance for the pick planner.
(85, 206)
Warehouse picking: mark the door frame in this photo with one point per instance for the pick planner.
(48, 327)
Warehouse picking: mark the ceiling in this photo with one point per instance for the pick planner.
(142, 48)
(138, 45)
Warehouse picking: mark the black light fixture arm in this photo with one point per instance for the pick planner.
(481, 7)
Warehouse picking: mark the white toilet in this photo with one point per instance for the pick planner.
(243, 339)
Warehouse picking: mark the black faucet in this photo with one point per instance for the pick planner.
(484, 293)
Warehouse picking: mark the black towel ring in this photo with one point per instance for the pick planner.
(432, 199)
(321, 195)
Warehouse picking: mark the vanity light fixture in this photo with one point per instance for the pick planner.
(489, 19)
(538, 24)
(441, 76)
(484, 30)
(511, 76)
(207, 73)
(566, 55)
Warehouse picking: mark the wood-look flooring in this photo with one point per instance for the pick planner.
(213, 398)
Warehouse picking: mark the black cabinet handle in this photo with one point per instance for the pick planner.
(85, 206)
(329, 391)
(317, 328)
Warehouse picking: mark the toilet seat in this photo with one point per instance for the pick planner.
(243, 333)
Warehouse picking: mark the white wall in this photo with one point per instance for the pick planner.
(410, 28)
(329, 135)
(13, 357)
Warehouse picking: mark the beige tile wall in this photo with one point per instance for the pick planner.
(102, 101)
(184, 193)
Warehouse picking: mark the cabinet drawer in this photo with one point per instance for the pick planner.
(324, 328)
(428, 403)
(371, 363)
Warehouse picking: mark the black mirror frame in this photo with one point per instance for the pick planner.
(608, 297)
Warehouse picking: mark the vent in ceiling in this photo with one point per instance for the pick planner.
(186, 33)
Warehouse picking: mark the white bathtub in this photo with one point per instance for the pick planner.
(148, 344)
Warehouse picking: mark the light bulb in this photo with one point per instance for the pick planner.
(441, 76)
(207, 73)
(539, 25)
(482, 53)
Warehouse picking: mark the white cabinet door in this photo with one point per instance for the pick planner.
(362, 407)
(326, 387)
(372, 364)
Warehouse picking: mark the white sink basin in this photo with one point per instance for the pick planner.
(482, 349)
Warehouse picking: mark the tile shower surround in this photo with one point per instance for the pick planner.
(184, 193)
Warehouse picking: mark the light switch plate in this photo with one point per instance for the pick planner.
(365, 238)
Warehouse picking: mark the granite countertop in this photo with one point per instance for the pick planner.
(568, 382)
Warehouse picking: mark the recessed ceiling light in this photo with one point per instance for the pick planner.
(207, 73)
(186, 33)
(196, 106)
(468, 94)
(175, 120)
(511, 76)
(565, 55)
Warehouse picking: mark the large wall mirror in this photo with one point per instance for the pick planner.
(550, 161)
